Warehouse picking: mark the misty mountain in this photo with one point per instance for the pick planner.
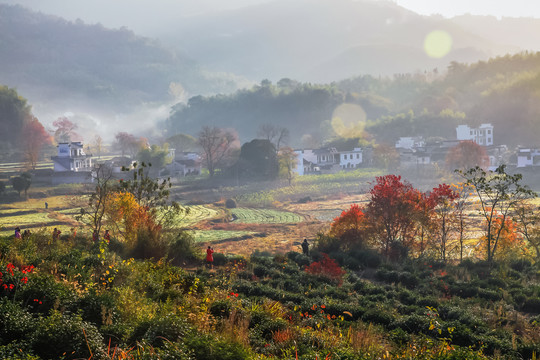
(324, 40)
(50, 59)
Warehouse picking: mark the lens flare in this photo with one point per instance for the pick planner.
(438, 44)
(348, 120)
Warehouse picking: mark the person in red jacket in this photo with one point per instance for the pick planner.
(210, 257)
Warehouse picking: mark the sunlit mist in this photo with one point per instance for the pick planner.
(438, 44)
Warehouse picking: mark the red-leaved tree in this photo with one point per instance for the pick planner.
(442, 199)
(394, 210)
(33, 138)
(349, 227)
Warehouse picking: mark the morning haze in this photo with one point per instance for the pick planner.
(269, 179)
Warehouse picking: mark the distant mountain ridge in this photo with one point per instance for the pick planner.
(49, 58)
(328, 40)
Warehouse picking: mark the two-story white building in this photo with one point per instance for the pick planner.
(350, 159)
(327, 160)
(71, 157)
(482, 135)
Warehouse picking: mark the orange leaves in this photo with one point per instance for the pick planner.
(349, 225)
(125, 211)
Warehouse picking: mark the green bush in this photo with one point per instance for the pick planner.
(15, 322)
(60, 334)
(182, 247)
(19, 350)
(167, 328)
(220, 308)
(99, 309)
(206, 347)
(230, 204)
(531, 305)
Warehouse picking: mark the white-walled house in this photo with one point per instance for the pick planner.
(528, 157)
(350, 159)
(72, 158)
(305, 161)
(482, 135)
(410, 142)
(327, 160)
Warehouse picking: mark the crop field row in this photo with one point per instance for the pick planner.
(195, 214)
(265, 216)
(203, 236)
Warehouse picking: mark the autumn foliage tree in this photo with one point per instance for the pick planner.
(499, 193)
(392, 212)
(65, 130)
(33, 138)
(442, 200)
(349, 227)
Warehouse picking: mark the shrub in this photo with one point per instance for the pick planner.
(299, 258)
(230, 204)
(15, 323)
(220, 259)
(99, 309)
(181, 248)
(221, 308)
(328, 268)
(160, 330)
(377, 316)
(532, 305)
(206, 347)
(149, 245)
(64, 334)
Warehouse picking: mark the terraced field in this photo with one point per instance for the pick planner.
(196, 214)
(203, 236)
(265, 216)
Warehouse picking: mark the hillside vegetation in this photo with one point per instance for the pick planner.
(503, 91)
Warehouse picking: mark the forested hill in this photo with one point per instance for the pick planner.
(504, 91)
(48, 58)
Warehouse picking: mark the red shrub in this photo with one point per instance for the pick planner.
(328, 268)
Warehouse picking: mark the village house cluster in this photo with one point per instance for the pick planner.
(73, 164)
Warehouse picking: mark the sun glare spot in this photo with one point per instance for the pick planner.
(438, 44)
(348, 120)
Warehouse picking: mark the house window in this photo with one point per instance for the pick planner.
(358, 156)
(489, 132)
(471, 132)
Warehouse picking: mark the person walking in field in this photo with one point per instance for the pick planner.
(210, 257)
(18, 233)
(56, 234)
(305, 247)
(107, 236)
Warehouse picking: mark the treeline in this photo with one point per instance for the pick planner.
(502, 91)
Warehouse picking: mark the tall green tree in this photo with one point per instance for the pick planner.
(22, 183)
(258, 159)
(14, 113)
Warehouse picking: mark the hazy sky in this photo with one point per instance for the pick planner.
(148, 16)
(499, 8)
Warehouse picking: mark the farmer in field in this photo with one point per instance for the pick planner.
(210, 257)
(305, 247)
(107, 236)
(56, 234)
(17, 232)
